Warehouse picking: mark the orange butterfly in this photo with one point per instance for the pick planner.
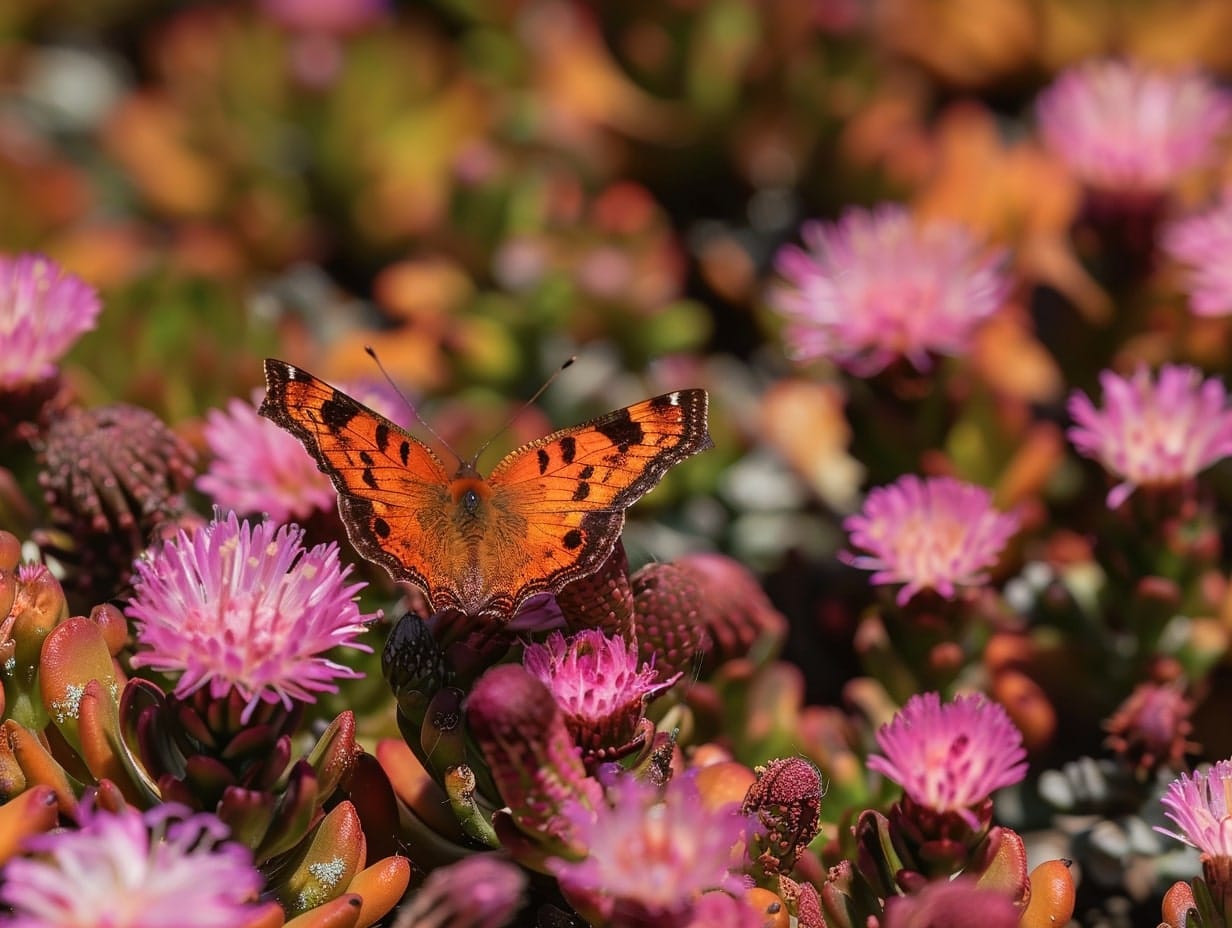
(549, 513)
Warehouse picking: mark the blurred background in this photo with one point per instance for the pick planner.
(481, 188)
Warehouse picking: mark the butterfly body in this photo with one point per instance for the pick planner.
(549, 513)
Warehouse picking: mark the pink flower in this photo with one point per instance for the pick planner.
(651, 854)
(598, 686)
(257, 467)
(952, 757)
(1125, 128)
(877, 286)
(1202, 243)
(131, 869)
(1201, 806)
(1153, 433)
(43, 310)
(246, 607)
(932, 534)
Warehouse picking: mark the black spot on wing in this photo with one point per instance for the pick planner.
(382, 436)
(404, 451)
(369, 479)
(338, 411)
(581, 492)
(544, 460)
(572, 539)
(621, 430)
(586, 472)
(381, 527)
(568, 448)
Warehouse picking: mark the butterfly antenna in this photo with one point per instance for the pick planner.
(409, 405)
(514, 418)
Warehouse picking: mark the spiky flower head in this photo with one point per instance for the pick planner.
(133, 869)
(1151, 728)
(1201, 244)
(43, 311)
(950, 757)
(599, 687)
(1153, 432)
(735, 610)
(787, 802)
(935, 533)
(257, 467)
(112, 477)
(1126, 128)
(245, 607)
(879, 285)
(649, 853)
(1200, 804)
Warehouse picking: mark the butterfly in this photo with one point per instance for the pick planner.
(549, 513)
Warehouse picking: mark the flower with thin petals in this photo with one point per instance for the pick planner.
(1202, 243)
(934, 534)
(879, 285)
(598, 686)
(130, 869)
(257, 467)
(43, 310)
(1126, 128)
(950, 757)
(244, 607)
(1201, 806)
(651, 853)
(482, 889)
(1153, 433)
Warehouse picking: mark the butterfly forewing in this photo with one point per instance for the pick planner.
(391, 487)
(569, 491)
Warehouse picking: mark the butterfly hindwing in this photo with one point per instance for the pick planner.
(391, 487)
(569, 490)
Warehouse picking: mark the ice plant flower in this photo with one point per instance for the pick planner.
(43, 310)
(1125, 128)
(245, 607)
(876, 286)
(1153, 433)
(1200, 804)
(1202, 243)
(950, 757)
(133, 869)
(650, 854)
(599, 687)
(935, 533)
(257, 467)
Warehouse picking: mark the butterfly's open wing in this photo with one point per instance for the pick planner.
(567, 493)
(391, 487)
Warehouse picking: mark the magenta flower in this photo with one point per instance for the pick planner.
(257, 467)
(597, 684)
(877, 286)
(1202, 243)
(1152, 433)
(1125, 128)
(131, 869)
(951, 757)
(43, 310)
(245, 607)
(1201, 806)
(932, 534)
(651, 854)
